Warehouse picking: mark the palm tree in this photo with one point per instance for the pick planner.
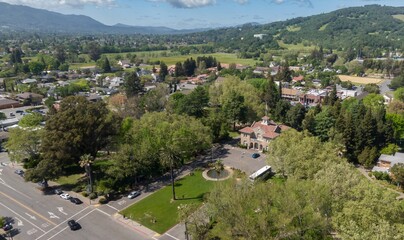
(85, 162)
(218, 167)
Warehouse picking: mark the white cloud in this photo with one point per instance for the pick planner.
(241, 1)
(303, 3)
(60, 3)
(187, 3)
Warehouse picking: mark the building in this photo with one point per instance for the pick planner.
(8, 103)
(260, 134)
(386, 162)
(29, 98)
(290, 94)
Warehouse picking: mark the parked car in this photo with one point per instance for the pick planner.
(65, 196)
(12, 114)
(75, 200)
(133, 194)
(73, 225)
(255, 155)
(19, 111)
(7, 227)
(58, 191)
(19, 172)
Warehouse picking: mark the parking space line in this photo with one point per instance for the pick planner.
(29, 209)
(61, 223)
(22, 217)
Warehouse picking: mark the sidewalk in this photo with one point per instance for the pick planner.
(135, 226)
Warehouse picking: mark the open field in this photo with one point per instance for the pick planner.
(159, 213)
(359, 80)
(399, 17)
(296, 47)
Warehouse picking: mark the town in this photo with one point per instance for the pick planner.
(246, 132)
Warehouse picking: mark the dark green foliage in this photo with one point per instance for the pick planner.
(132, 84)
(382, 176)
(397, 172)
(368, 157)
(193, 104)
(281, 110)
(79, 127)
(104, 65)
(163, 71)
(235, 109)
(94, 51)
(397, 82)
(372, 88)
(295, 116)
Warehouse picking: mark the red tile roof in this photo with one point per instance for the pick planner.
(247, 130)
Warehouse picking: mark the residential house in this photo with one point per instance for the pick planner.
(8, 103)
(299, 78)
(313, 97)
(125, 63)
(28, 81)
(260, 134)
(290, 94)
(386, 162)
(388, 98)
(29, 98)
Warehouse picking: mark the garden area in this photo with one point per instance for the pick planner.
(159, 212)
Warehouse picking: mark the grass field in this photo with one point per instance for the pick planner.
(297, 47)
(159, 213)
(359, 80)
(399, 17)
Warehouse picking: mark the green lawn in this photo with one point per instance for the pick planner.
(71, 181)
(160, 207)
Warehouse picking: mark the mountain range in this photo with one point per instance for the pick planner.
(23, 18)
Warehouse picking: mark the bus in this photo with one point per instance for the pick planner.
(262, 173)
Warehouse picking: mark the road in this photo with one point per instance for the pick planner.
(36, 215)
(383, 86)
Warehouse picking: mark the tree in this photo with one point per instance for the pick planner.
(94, 51)
(193, 104)
(163, 71)
(79, 127)
(281, 110)
(36, 67)
(397, 172)
(132, 84)
(397, 82)
(234, 108)
(2, 116)
(295, 116)
(104, 65)
(372, 88)
(16, 55)
(368, 157)
(284, 74)
(170, 138)
(60, 54)
(399, 94)
(31, 120)
(179, 70)
(24, 143)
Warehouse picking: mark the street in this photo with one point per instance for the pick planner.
(35, 215)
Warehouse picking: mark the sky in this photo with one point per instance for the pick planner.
(188, 14)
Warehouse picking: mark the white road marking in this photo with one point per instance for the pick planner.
(5, 184)
(52, 215)
(76, 221)
(32, 231)
(112, 207)
(1, 170)
(61, 223)
(120, 203)
(44, 225)
(172, 236)
(109, 215)
(19, 222)
(30, 216)
(61, 210)
(21, 216)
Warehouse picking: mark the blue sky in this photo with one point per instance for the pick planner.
(185, 14)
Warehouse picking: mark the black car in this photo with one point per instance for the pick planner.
(7, 227)
(19, 111)
(75, 200)
(73, 225)
(255, 155)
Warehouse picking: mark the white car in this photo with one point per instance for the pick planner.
(65, 196)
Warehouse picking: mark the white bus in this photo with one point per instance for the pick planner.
(262, 173)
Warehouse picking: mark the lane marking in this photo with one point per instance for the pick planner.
(122, 202)
(21, 216)
(5, 184)
(52, 215)
(112, 207)
(19, 222)
(30, 216)
(29, 209)
(32, 231)
(76, 221)
(61, 210)
(109, 215)
(172, 236)
(60, 224)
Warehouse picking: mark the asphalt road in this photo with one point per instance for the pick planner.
(35, 215)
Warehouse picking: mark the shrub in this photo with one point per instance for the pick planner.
(85, 194)
(382, 176)
(77, 188)
(2, 221)
(92, 195)
(103, 200)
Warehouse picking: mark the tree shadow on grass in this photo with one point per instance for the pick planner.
(199, 197)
